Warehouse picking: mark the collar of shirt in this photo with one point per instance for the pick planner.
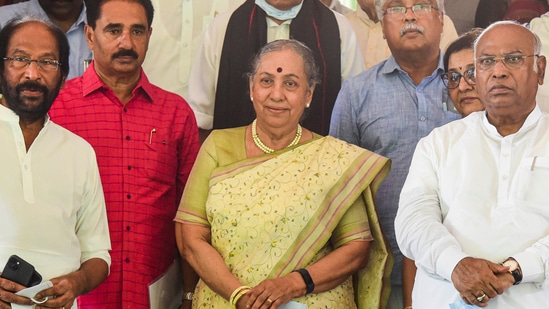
(92, 82)
(530, 121)
(8, 115)
(390, 65)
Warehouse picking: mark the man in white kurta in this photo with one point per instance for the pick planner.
(51, 201)
(476, 194)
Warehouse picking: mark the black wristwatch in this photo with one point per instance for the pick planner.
(514, 269)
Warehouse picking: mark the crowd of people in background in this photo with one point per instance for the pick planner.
(297, 152)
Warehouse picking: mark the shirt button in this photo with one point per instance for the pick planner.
(128, 137)
(504, 177)
(129, 196)
(125, 110)
(129, 167)
(127, 260)
(422, 118)
(128, 228)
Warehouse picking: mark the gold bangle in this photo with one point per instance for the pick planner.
(408, 307)
(237, 294)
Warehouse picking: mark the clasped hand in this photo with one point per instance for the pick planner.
(271, 293)
(479, 280)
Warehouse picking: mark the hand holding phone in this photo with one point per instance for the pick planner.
(21, 271)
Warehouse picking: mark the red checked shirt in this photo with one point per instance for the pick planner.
(145, 151)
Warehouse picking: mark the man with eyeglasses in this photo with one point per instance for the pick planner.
(474, 210)
(389, 107)
(370, 38)
(69, 15)
(51, 199)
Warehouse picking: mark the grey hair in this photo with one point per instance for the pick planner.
(20, 20)
(380, 3)
(535, 38)
(309, 64)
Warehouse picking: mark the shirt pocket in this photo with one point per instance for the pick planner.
(161, 161)
(533, 185)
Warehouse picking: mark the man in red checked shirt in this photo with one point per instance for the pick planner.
(146, 140)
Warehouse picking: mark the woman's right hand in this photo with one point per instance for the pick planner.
(272, 293)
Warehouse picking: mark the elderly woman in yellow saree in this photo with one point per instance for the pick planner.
(275, 215)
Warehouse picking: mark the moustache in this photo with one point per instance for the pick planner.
(411, 27)
(31, 86)
(125, 52)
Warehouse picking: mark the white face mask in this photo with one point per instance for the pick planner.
(276, 13)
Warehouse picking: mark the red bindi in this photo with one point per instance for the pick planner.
(279, 70)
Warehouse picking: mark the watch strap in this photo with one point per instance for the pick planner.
(309, 284)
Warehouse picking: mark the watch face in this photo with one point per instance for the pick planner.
(512, 264)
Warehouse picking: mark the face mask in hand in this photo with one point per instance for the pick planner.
(460, 304)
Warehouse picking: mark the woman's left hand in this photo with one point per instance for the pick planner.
(272, 293)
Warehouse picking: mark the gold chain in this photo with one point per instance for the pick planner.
(265, 148)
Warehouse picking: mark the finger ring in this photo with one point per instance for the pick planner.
(481, 298)
(269, 300)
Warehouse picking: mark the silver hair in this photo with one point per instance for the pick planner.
(535, 39)
(380, 3)
(309, 64)
(25, 18)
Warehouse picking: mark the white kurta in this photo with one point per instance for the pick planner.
(51, 200)
(472, 192)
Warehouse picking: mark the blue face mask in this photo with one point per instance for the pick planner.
(276, 13)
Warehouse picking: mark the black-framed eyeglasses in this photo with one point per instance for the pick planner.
(451, 79)
(417, 9)
(509, 61)
(46, 65)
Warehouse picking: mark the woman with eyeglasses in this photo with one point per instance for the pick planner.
(459, 63)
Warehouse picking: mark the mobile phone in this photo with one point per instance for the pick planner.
(21, 271)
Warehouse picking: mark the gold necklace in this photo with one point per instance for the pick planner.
(265, 148)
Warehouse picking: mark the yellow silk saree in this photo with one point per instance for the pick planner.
(274, 213)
